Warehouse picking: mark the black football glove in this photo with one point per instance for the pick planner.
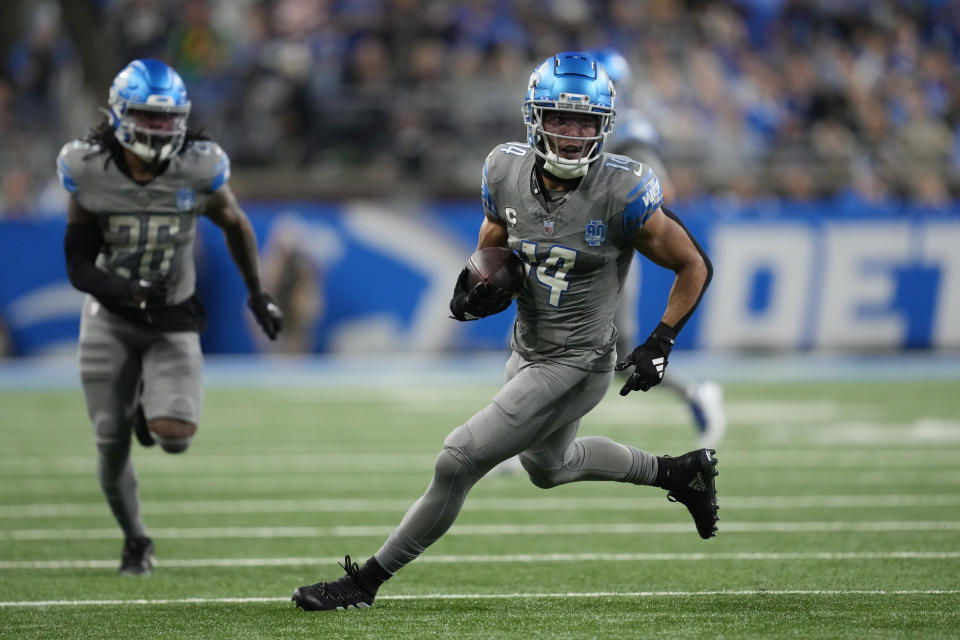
(149, 293)
(649, 360)
(481, 301)
(267, 313)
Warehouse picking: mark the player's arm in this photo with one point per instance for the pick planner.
(666, 241)
(225, 212)
(482, 300)
(81, 245)
(492, 234)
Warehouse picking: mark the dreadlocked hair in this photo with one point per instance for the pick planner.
(102, 139)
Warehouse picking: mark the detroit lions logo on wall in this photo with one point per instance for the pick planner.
(184, 198)
(595, 233)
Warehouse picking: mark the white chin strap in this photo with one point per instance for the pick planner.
(144, 152)
(565, 169)
(151, 155)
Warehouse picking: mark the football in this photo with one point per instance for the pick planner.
(497, 266)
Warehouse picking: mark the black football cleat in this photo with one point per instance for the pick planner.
(690, 482)
(344, 593)
(140, 429)
(137, 559)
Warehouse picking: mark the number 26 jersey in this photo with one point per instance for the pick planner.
(149, 229)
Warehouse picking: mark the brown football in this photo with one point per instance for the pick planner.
(497, 266)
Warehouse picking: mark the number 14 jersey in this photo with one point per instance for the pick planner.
(577, 248)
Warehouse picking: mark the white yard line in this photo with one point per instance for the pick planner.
(198, 463)
(334, 505)
(197, 563)
(499, 596)
(613, 528)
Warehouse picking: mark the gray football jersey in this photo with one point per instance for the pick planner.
(149, 230)
(578, 254)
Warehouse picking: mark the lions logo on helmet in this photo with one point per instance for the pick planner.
(148, 110)
(570, 81)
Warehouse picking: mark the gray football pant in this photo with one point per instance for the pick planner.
(114, 356)
(535, 414)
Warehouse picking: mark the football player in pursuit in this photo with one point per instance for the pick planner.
(635, 136)
(575, 215)
(137, 184)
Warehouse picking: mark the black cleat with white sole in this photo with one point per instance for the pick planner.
(345, 593)
(690, 481)
(137, 558)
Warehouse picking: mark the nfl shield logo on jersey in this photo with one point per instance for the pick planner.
(548, 226)
(595, 233)
(185, 198)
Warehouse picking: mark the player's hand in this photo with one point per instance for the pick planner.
(649, 361)
(268, 314)
(481, 301)
(149, 293)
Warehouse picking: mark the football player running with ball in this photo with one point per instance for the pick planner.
(575, 215)
(137, 184)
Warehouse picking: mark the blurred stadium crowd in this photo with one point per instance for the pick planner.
(855, 101)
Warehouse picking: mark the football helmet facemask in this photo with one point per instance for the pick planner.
(148, 110)
(574, 82)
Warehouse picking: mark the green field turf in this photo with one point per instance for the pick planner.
(840, 518)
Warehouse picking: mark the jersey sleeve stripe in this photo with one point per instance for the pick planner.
(640, 185)
(222, 173)
(489, 207)
(642, 201)
(66, 179)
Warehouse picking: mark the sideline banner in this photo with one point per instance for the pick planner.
(376, 277)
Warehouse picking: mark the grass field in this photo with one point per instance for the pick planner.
(840, 518)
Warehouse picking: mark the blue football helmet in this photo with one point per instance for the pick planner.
(573, 82)
(617, 68)
(148, 110)
(632, 126)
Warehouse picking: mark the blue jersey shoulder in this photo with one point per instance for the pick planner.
(71, 163)
(209, 162)
(635, 185)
